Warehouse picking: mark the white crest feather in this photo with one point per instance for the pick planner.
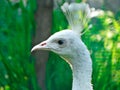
(77, 14)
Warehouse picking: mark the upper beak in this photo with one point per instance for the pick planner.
(41, 46)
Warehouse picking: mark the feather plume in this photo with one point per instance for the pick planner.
(78, 16)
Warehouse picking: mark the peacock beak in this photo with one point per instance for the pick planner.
(41, 46)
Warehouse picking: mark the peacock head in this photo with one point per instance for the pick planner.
(62, 43)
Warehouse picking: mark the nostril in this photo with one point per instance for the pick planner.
(43, 44)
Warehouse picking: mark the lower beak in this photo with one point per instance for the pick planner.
(41, 46)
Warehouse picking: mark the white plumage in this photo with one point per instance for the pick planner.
(68, 44)
(77, 15)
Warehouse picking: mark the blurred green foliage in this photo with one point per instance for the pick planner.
(103, 41)
(17, 69)
(16, 26)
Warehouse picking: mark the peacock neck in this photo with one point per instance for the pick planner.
(82, 70)
(81, 66)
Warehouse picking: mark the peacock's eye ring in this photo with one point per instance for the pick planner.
(60, 42)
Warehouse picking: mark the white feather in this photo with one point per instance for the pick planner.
(77, 14)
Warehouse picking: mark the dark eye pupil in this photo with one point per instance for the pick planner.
(60, 42)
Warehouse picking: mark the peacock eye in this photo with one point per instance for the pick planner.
(60, 42)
